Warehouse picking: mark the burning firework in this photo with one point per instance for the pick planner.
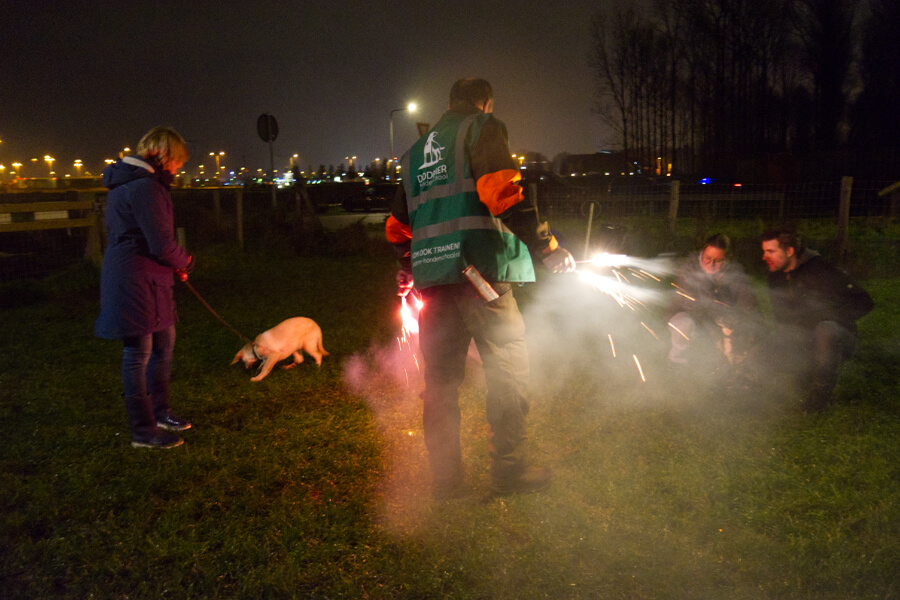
(407, 341)
(625, 279)
(409, 315)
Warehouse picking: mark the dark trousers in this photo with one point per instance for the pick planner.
(146, 369)
(814, 356)
(452, 316)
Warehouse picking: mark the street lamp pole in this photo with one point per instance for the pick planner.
(411, 107)
(218, 168)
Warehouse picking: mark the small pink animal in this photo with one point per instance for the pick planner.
(286, 339)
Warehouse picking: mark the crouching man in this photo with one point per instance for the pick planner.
(815, 306)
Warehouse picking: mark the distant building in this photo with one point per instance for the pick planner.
(598, 163)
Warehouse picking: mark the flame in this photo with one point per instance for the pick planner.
(408, 316)
(608, 260)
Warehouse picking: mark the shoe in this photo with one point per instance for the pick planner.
(455, 492)
(451, 488)
(533, 479)
(170, 422)
(818, 399)
(161, 440)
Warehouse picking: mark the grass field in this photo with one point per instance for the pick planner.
(314, 484)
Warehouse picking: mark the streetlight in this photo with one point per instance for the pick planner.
(217, 161)
(49, 159)
(411, 107)
(78, 164)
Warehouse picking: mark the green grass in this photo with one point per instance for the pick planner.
(314, 483)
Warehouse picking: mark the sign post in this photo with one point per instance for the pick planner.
(267, 127)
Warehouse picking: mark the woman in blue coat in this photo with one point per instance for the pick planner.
(137, 304)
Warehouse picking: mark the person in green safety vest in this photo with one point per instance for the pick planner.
(460, 214)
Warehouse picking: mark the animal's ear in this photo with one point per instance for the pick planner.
(237, 357)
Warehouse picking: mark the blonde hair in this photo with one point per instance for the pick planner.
(164, 144)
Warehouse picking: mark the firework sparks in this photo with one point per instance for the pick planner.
(628, 281)
(679, 331)
(653, 333)
(410, 321)
(640, 370)
(409, 329)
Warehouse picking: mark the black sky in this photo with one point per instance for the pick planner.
(82, 80)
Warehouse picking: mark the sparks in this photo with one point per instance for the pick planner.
(679, 331)
(640, 370)
(653, 333)
(611, 345)
(410, 320)
(608, 260)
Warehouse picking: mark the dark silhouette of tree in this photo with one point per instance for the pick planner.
(875, 122)
(712, 84)
(825, 30)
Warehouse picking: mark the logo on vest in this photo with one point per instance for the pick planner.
(433, 155)
(432, 151)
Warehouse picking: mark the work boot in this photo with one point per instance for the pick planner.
(532, 479)
(818, 398)
(449, 487)
(159, 440)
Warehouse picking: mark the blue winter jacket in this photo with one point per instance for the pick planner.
(141, 255)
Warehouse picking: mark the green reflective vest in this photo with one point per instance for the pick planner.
(451, 227)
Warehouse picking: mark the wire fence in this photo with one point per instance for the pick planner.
(855, 223)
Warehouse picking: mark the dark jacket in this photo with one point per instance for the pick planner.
(141, 256)
(816, 291)
(726, 298)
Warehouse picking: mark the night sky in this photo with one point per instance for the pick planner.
(82, 80)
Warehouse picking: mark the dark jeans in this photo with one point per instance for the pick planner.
(146, 369)
(812, 355)
(451, 317)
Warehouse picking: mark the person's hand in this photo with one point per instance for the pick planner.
(404, 282)
(560, 261)
(183, 273)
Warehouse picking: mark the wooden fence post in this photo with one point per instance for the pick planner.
(892, 192)
(93, 249)
(674, 197)
(843, 220)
